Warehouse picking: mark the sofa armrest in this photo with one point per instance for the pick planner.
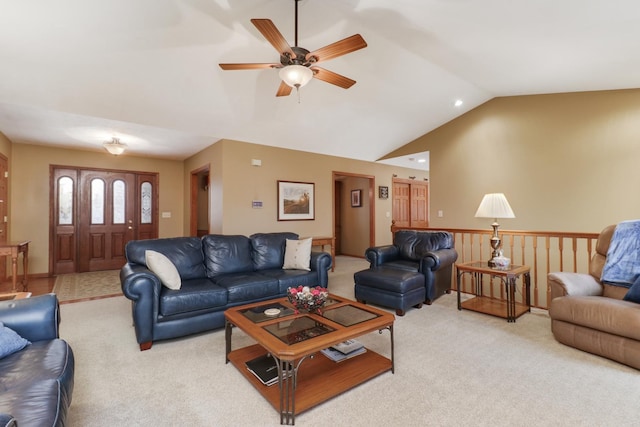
(378, 255)
(321, 263)
(434, 260)
(142, 287)
(35, 319)
(562, 284)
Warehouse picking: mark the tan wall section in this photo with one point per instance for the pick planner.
(566, 162)
(355, 220)
(29, 181)
(231, 168)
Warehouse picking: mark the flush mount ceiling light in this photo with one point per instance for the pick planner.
(114, 146)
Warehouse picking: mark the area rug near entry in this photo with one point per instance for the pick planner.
(90, 285)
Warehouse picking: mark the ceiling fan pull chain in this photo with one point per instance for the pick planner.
(298, 92)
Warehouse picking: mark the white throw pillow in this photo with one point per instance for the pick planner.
(297, 254)
(163, 268)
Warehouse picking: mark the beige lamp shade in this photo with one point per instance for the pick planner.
(494, 205)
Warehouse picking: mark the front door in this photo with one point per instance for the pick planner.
(106, 218)
(95, 213)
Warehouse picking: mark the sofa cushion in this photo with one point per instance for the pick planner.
(163, 268)
(35, 403)
(609, 315)
(297, 254)
(268, 249)
(292, 278)
(41, 361)
(10, 341)
(194, 295)
(184, 252)
(244, 287)
(226, 254)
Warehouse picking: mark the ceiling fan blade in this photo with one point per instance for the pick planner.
(255, 66)
(284, 89)
(338, 48)
(273, 36)
(333, 78)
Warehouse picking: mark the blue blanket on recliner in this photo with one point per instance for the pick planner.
(622, 266)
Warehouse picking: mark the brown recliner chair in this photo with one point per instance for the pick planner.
(590, 315)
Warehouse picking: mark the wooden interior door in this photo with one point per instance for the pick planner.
(401, 193)
(410, 203)
(94, 213)
(419, 204)
(106, 218)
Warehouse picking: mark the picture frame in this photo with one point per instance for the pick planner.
(383, 192)
(356, 198)
(296, 201)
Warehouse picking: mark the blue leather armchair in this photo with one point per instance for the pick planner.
(36, 382)
(430, 253)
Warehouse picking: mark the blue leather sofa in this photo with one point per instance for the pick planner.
(217, 272)
(36, 383)
(417, 267)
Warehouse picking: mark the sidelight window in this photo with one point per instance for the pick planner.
(146, 203)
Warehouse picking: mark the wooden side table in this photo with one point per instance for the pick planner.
(509, 309)
(13, 249)
(322, 241)
(14, 295)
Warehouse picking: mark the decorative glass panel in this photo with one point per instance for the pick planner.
(97, 201)
(145, 199)
(118, 201)
(65, 201)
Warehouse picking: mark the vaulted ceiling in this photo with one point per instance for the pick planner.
(75, 73)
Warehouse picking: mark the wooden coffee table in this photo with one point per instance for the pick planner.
(306, 377)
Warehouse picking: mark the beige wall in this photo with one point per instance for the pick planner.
(29, 183)
(355, 220)
(235, 183)
(566, 162)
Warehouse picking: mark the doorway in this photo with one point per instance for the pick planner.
(199, 218)
(353, 213)
(95, 212)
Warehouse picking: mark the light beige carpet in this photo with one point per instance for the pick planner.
(82, 286)
(453, 368)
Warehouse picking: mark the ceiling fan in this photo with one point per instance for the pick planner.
(298, 65)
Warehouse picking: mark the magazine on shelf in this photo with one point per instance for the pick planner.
(338, 356)
(264, 368)
(348, 346)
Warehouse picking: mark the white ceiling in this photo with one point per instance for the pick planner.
(75, 73)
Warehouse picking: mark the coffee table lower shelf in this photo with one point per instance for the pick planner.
(318, 379)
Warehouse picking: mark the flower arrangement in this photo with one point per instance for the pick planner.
(306, 298)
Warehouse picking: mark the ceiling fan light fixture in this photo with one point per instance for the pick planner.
(114, 146)
(296, 75)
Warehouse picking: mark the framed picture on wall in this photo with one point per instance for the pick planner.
(356, 198)
(296, 201)
(383, 192)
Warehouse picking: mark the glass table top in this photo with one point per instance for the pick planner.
(303, 327)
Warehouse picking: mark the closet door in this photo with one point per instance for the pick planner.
(410, 203)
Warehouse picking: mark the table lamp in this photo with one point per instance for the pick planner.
(494, 205)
